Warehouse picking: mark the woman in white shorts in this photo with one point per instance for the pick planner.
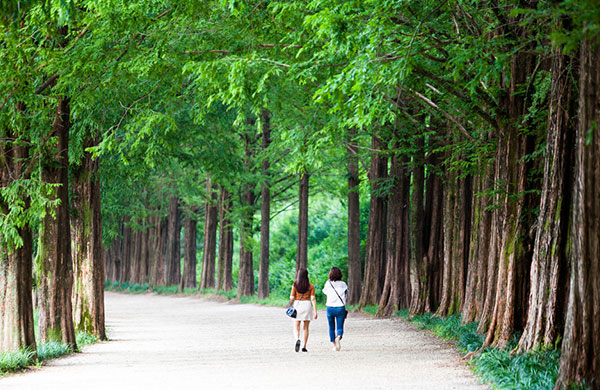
(303, 299)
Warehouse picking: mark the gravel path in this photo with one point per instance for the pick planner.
(166, 342)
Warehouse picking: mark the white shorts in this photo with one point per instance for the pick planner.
(304, 311)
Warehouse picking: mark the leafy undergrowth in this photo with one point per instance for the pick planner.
(532, 370)
(20, 360)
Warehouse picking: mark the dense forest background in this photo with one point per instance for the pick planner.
(444, 154)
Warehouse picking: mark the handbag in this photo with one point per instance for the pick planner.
(336, 293)
(291, 311)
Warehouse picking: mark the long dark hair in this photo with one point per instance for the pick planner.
(302, 282)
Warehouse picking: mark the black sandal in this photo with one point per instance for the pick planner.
(304, 350)
(297, 347)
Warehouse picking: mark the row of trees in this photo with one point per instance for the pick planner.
(469, 128)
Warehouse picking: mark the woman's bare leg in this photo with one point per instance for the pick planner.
(297, 330)
(306, 325)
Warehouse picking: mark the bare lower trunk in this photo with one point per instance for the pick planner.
(88, 265)
(16, 310)
(375, 256)
(210, 237)
(246, 273)
(54, 250)
(418, 267)
(549, 263)
(302, 249)
(391, 296)
(173, 261)
(188, 279)
(580, 357)
(354, 266)
(224, 273)
(265, 212)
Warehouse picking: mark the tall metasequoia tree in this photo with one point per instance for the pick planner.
(354, 266)
(210, 236)
(224, 271)
(302, 248)
(457, 221)
(188, 278)
(173, 261)
(395, 294)
(159, 250)
(54, 250)
(265, 211)
(513, 223)
(126, 250)
(88, 264)
(477, 280)
(16, 310)
(549, 264)
(580, 356)
(246, 273)
(376, 236)
(419, 301)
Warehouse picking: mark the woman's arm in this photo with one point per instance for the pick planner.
(313, 300)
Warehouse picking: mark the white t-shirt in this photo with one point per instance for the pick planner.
(332, 298)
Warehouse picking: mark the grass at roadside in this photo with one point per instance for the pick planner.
(20, 360)
(498, 367)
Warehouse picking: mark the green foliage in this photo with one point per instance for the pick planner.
(15, 361)
(84, 339)
(502, 368)
(52, 349)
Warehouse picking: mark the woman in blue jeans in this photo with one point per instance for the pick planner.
(337, 294)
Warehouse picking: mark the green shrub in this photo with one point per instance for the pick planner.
(52, 349)
(15, 361)
(84, 338)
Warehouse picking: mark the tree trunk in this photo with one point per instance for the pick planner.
(549, 263)
(188, 279)
(419, 302)
(354, 266)
(475, 292)
(246, 272)
(375, 256)
(265, 212)
(435, 240)
(224, 273)
(88, 265)
(126, 251)
(16, 310)
(210, 237)
(302, 249)
(173, 261)
(392, 294)
(580, 357)
(54, 250)
(160, 252)
(457, 221)
(510, 303)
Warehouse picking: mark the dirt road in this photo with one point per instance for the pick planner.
(167, 342)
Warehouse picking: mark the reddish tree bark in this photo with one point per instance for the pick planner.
(549, 263)
(246, 273)
(354, 264)
(375, 257)
(188, 279)
(54, 251)
(16, 310)
(173, 260)
(580, 357)
(418, 269)
(224, 273)
(265, 211)
(88, 265)
(302, 249)
(394, 293)
(210, 236)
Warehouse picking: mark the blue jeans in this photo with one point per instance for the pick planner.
(333, 314)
